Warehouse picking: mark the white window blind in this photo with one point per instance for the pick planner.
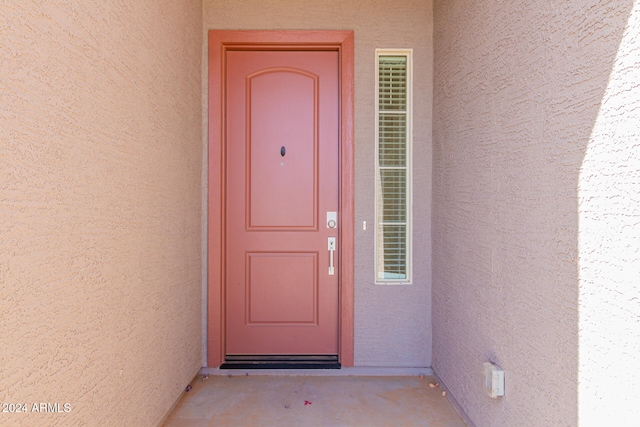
(393, 174)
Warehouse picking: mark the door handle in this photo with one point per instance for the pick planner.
(332, 248)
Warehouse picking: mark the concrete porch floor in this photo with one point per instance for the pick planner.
(251, 399)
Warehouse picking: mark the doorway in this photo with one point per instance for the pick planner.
(280, 195)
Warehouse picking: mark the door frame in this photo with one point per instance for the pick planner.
(220, 41)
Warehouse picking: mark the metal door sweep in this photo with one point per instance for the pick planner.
(281, 362)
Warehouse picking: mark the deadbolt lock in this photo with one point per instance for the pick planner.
(332, 219)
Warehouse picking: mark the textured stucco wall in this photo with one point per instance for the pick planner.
(100, 188)
(519, 100)
(609, 246)
(392, 323)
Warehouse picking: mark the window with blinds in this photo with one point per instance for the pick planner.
(393, 171)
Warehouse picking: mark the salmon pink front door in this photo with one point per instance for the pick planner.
(282, 157)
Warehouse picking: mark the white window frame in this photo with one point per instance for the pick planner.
(379, 256)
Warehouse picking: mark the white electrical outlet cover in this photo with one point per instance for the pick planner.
(493, 380)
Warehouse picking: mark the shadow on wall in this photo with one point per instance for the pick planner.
(518, 91)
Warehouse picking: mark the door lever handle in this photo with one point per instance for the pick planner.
(332, 247)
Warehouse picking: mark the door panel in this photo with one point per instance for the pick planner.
(282, 113)
(282, 107)
(282, 289)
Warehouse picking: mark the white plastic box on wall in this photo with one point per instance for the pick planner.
(493, 380)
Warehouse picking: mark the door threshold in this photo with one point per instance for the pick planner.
(281, 362)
